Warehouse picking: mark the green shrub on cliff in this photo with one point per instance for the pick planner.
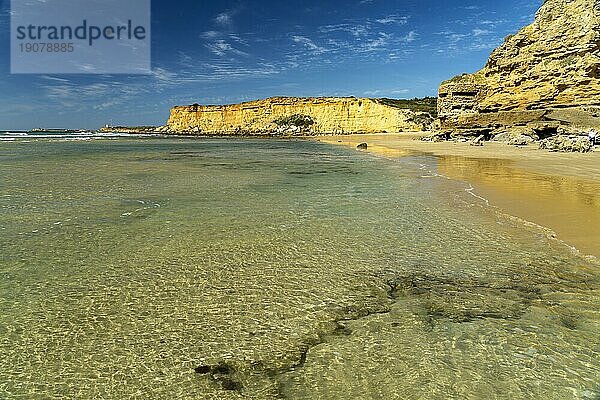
(476, 78)
(423, 119)
(299, 120)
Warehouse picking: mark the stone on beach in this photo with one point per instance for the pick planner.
(564, 143)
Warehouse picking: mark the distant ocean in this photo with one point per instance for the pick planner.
(16, 135)
(163, 268)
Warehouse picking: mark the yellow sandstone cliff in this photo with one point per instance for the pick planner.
(289, 115)
(542, 81)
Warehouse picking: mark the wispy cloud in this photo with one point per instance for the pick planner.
(71, 95)
(223, 48)
(385, 92)
(380, 42)
(203, 72)
(380, 39)
(479, 28)
(163, 76)
(492, 23)
(454, 43)
(486, 35)
(309, 44)
(108, 92)
(224, 18)
(354, 30)
(54, 78)
(480, 32)
(210, 34)
(393, 19)
(5, 15)
(410, 37)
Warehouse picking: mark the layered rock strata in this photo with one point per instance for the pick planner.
(285, 115)
(542, 81)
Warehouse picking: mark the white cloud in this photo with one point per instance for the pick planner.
(364, 40)
(492, 23)
(476, 39)
(202, 72)
(109, 93)
(54, 79)
(480, 32)
(210, 34)
(163, 76)
(309, 44)
(393, 19)
(223, 48)
(224, 19)
(410, 37)
(379, 42)
(385, 92)
(354, 30)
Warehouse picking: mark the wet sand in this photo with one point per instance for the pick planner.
(558, 191)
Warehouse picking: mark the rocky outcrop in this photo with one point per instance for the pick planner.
(302, 116)
(566, 143)
(147, 130)
(543, 81)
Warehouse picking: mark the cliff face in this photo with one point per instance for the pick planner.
(285, 115)
(542, 80)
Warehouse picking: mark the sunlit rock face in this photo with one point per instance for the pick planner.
(544, 79)
(285, 115)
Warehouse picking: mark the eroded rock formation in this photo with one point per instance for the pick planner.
(285, 115)
(542, 81)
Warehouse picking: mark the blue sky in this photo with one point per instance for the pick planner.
(217, 52)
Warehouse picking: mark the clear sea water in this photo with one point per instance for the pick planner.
(266, 269)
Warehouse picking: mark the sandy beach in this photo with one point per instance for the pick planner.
(558, 191)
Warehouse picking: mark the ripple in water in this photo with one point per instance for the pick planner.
(269, 269)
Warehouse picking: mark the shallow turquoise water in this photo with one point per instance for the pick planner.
(287, 269)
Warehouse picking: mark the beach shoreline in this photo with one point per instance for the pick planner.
(557, 191)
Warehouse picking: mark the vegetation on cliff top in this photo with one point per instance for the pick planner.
(476, 78)
(426, 104)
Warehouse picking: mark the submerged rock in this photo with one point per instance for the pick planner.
(230, 384)
(221, 373)
(203, 369)
(362, 146)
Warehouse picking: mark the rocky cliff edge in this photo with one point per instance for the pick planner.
(302, 116)
(542, 81)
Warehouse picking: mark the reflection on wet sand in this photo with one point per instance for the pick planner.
(567, 205)
(556, 191)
